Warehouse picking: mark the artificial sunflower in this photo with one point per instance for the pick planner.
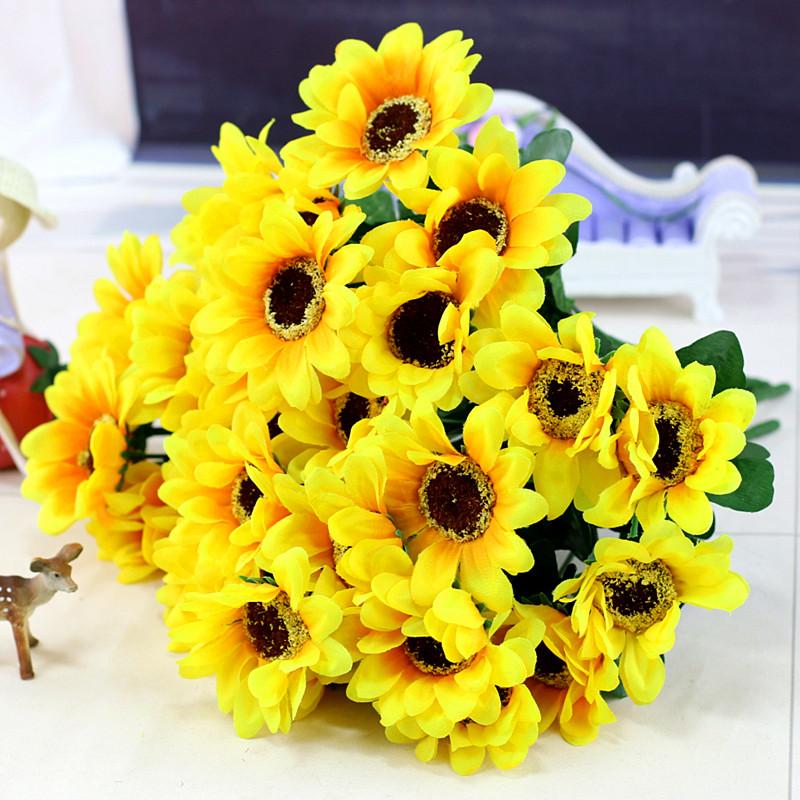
(675, 443)
(268, 645)
(404, 245)
(254, 176)
(136, 519)
(411, 329)
(627, 603)
(161, 340)
(283, 299)
(458, 512)
(506, 741)
(488, 190)
(562, 393)
(567, 686)
(220, 481)
(134, 266)
(409, 674)
(333, 516)
(77, 458)
(373, 111)
(332, 426)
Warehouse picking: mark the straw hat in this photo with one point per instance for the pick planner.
(19, 200)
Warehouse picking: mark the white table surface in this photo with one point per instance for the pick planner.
(108, 717)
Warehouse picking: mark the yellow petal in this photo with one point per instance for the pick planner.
(484, 433)
(494, 137)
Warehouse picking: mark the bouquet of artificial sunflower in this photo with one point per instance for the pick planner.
(391, 439)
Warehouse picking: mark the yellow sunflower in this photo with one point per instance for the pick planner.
(567, 686)
(77, 458)
(411, 327)
(488, 190)
(134, 266)
(407, 673)
(562, 398)
(628, 602)
(458, 512)
(373, 111)
(220, 481)
(254, 176)
(506, 740)
(283, 299)
(135, 521)
(267, 644)
(406, 245)
(675, 443)
(332, 426)
(332, 516)
(161, 339)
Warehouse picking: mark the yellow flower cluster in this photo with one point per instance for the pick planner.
(368, 422)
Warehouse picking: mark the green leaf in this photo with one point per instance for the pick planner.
(619, 406)
(753, 452)
(543, 577)
(764, 390)
(266, 578)
(569, 532)
(695, 538)
(762, 429)
(554, 143)
(573, 234)
(608, 344)
(48, 359)
(43, 356)
(407, 213)
(615, 694)
(634, 530)
(758, 475)
(722, 351)
(557, 304)
(379, 208)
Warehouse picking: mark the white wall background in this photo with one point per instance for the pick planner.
(67, 102)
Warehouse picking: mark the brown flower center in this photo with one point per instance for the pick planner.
(273, 427)
(293, 302)
(505, 695)
(427, 655)
(550, 669)
(640, 598)
(85, 460)
(274, 629)
(244, 496)
(457, 499)
(413, 331)
(477, 214)
(394, 127)
(310, 217)
(679, 441)
(351, 408)
(563, 396)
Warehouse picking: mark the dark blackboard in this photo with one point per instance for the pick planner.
(645, 78)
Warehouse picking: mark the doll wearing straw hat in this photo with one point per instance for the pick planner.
(19, 201)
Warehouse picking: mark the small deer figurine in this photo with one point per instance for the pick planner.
(19, 597)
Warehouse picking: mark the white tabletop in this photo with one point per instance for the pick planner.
(108, 716)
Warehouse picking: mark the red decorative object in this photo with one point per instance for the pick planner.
(23, 408)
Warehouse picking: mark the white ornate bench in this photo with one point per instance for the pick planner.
(645, 237)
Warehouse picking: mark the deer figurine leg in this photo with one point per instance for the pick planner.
(23, 651)
(32, 640)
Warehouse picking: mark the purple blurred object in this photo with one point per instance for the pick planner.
(645, 237)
